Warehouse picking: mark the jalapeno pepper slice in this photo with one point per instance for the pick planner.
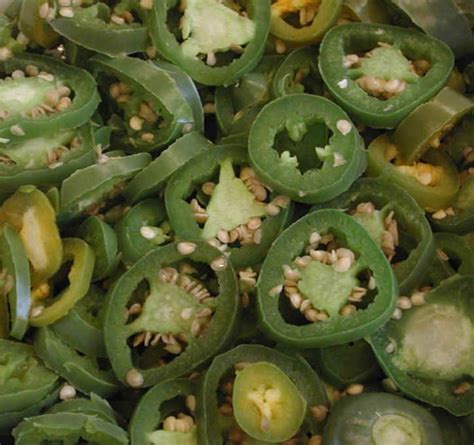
(324, 282)
(237, 210)
(47, 307)
(282, 148)
(173, 404)
(32, 24)
(147, 109)
(164, 320)
(427, 348)
(245, 32)
(391, 215)
(15, 280)
(380, 73)
(97, 27)
(371, 11)
(48, 96)
(215, 414)
(379, 418)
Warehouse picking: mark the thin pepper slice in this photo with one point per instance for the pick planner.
(403, 45)
(308, 30)
(31, 214)
(143, 426)
(30, 91)
(152, 103)
(17, 275)
(230, 68)
(46, 310)
(337, 328)
(33, 26)
(288, 153)
(148, 369)
(412, 348)
(214, 429)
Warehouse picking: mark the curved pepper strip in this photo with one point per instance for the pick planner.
(142, 424)
(453, 257)
(326, 14)
(68, 428)
(30, 213)
(337, 329)
(17, 269)
(161, 90)
(410, 219)
(84, 318)
(153, 178)
(210, 430)
(33, 26)
(443, 322)
(147, 217)
(88, 29)
(218, 334)
(444, 176)
(204, 168)
(85, 191)
(167, 44)
(367, 11)
(81, 371)
(237, 106)
(439, 18)
(80, 82)
(375, 416)
(79, 277)
(47, 159)
(327, 172)
(354, 37)
(25, 380)
(103, 240)
(426, 125)
(298, 73)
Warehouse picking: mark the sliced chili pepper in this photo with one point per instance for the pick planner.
(298, 73)
(373, 200)
(15, 280)
(30, 213)
(103, 240)
(82, 371)
(142, 228)
(236, 210)
(217, 420)
(161, 335)
(380, 73)
(69, 428)
(426, 349)
(47, 159)
(202, 33)
(433, 182)
(303, 23)
(47, 308)
(153, 178)
(369, 11)
(426, 125)
(157, 408)
(438, 18)
(98, 28)
(379, 417)
(49, 96)
(147, 107)
(25, 380)
(86, 191)
(286, 148)
(82, 327)
(33, 26)
(336, 280)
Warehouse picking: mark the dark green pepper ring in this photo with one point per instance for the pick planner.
(290, 120)
(341, 326)
(166, 43)
(119, 308)
(358, 37)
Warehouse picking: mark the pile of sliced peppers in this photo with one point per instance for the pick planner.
(237, 222)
